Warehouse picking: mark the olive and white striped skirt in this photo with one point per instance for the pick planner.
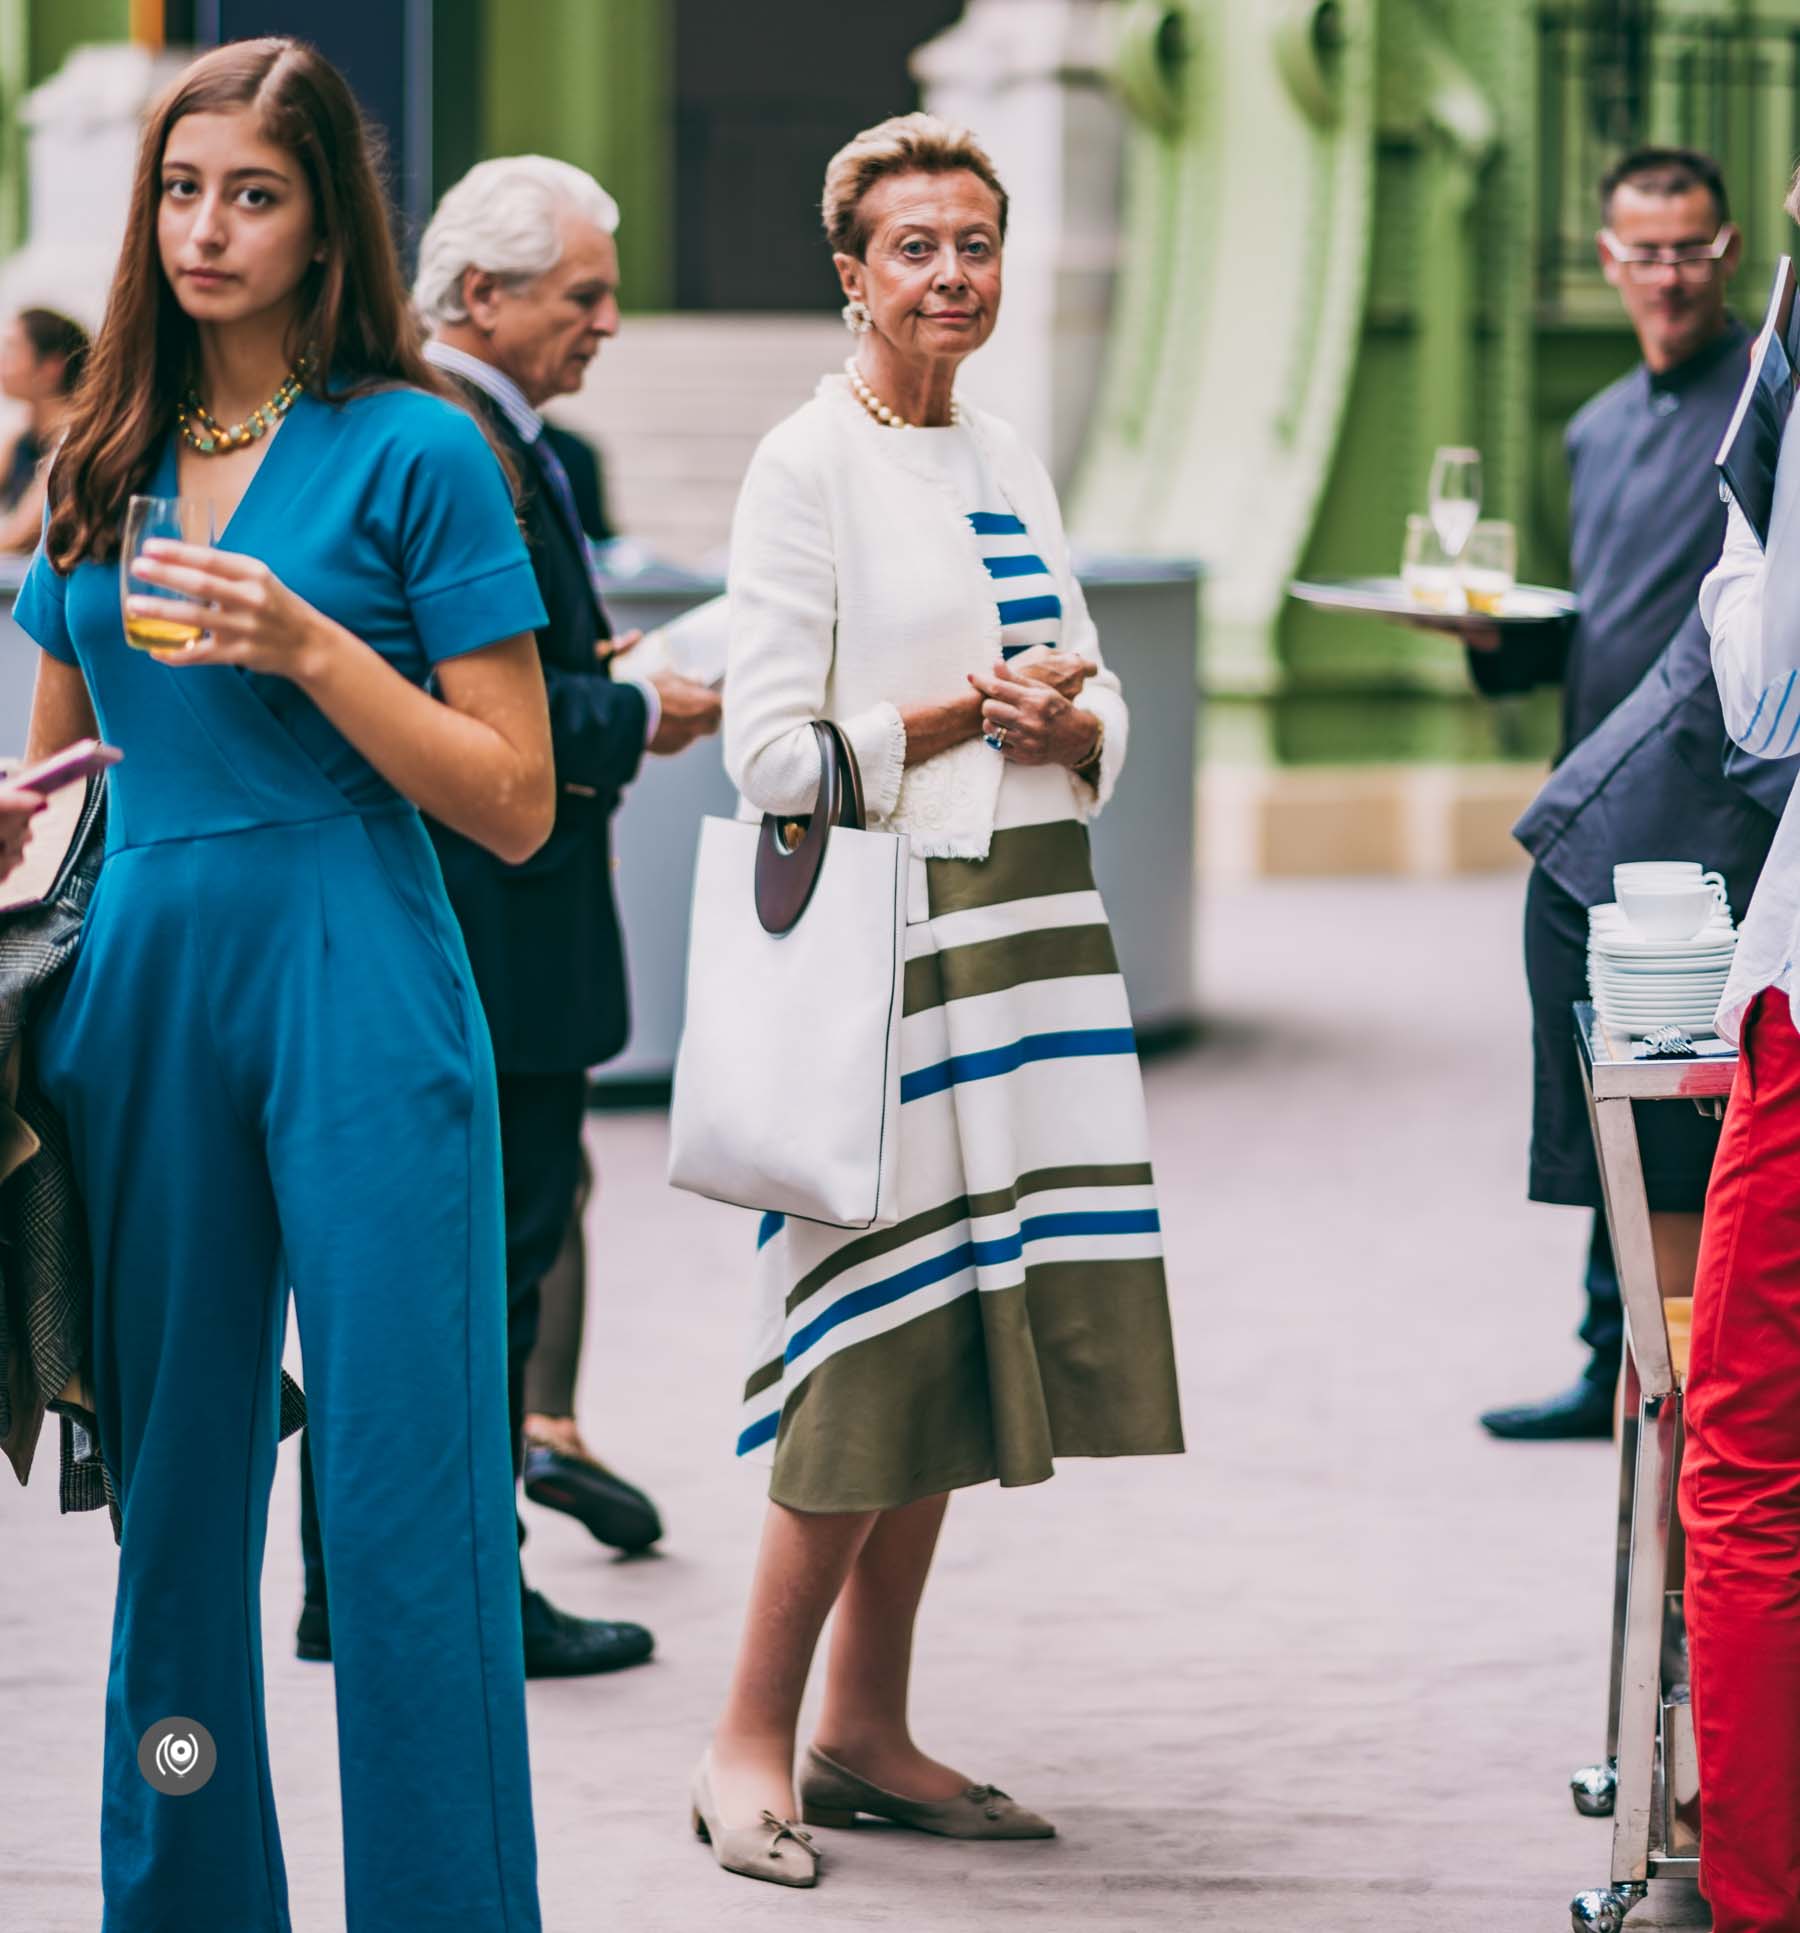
(1017, 1310)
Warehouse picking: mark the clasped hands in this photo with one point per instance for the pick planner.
(1028, 704)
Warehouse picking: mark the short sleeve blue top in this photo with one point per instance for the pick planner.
(390, 514)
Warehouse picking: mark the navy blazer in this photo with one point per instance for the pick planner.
(1655, 780)
(544, 937)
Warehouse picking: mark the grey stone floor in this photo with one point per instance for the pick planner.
(1331, 1670)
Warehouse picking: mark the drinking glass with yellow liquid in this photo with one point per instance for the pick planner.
(183, 520)
(1489, 565)
(1425, 568)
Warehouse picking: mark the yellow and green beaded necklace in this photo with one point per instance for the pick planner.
(203, 432)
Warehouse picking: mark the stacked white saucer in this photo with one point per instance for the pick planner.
(1660, 954)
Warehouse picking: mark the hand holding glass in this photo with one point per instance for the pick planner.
(184, 520)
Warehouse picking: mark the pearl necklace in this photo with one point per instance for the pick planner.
(890, 419)
(201, 431)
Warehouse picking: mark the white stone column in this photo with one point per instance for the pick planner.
(81, 136)
(1030, 78)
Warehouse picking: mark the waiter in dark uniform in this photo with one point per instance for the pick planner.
(518, 282)
(1643, 772)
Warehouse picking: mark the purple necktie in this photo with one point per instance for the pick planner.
(558, 479)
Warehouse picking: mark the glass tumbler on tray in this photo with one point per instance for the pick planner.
(183, 520)
(1489, 565)
(1426, 572)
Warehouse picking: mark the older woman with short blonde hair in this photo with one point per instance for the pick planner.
(898, 565)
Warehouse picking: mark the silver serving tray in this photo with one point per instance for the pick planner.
(1526, 604)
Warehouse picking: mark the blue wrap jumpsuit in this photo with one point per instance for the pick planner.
(275, 1072)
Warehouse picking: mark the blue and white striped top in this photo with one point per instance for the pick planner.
(1024, 589)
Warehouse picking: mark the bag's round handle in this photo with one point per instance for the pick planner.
(790, 854)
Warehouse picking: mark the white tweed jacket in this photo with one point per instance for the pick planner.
(856, 588)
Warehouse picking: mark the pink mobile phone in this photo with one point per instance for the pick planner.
(73, 763)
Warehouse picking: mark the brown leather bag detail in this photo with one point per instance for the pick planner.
(791, 852)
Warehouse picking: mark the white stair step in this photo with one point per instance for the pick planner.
(678, 404)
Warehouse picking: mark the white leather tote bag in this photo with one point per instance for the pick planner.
(787, 1081)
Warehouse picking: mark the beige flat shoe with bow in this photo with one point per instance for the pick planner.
(832, 1795)
(774, 1849)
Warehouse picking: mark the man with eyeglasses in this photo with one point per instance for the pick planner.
(1642, 773)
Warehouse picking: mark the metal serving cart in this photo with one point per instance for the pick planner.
(1649, 1781)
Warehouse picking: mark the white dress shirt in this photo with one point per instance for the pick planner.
(529, 423)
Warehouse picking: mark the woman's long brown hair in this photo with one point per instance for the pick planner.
(353, 318)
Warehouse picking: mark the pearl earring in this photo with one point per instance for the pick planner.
(857, 318)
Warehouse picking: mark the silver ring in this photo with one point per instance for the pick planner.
(997, 739)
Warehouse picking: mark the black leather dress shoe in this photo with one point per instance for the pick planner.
(1585, 1410)
(616, 1512)
(312, 1635)
(560, 1646)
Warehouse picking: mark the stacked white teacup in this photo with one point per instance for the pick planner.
(1659, 955)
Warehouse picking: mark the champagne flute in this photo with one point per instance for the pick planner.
(184, 520)
(1454, 497)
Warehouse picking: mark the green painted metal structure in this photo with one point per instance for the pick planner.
(55, 26)
(15, 44)
(1360, 229)
(590, 81)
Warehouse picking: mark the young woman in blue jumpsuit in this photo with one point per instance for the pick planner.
(269, 1052)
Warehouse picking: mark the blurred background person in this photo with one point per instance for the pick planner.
(518, 283)
(899, 565)
(1642, 773)
(561, 1472)
(42, 355)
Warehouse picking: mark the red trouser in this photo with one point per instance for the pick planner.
(1740, 1492)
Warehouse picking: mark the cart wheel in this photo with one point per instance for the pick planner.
(1603, 1912)
(1594, 1787)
